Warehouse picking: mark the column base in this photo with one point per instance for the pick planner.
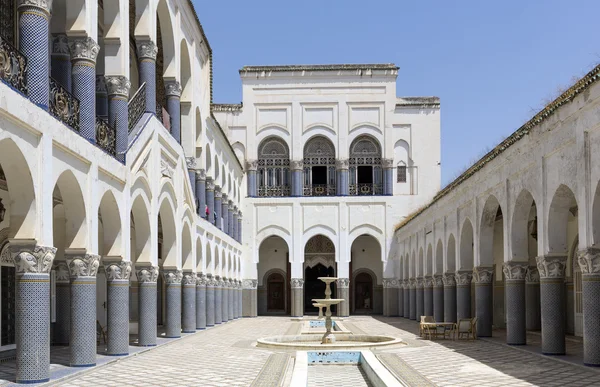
(32, 381)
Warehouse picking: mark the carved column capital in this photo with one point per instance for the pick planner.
(172, 89)
(343, 282)
(342, 164)
(249, 284)
(189, 279)
(483, 275)
(117, 85)
(84, 49)
(60, 45)
(297, 165)
(387, 163)
(44, 5)
(390, 283)
(438, 281)
(210, 281)
(146, 49)
(201, 175)
(251, 165)
(83, 265)
(297, 283)
(147, 274)
(532, 276)
(463, 278)
(217, 192)
(449, 279)
(589, 261)
(190, 162)
(230, 205)
(31, 258)
(419, 282)
(427, 282)
(118, 270)
(515, 270)
(210, 184)
(412, 283)
(201, 280)
(172, 276)
(551, 265)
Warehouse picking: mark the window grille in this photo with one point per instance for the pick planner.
(319, 152)
(273, 172)
(365, 152)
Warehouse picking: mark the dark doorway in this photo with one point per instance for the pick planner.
(315, 288)
(319, 175)
(276, 293)
(8, 305)
(363, 297)
(364, 174)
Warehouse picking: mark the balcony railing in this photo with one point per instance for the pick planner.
(13, 66)
(363, 189)
(274, 191)
(319, 190)
(63, 105)
(106, 137)
(137, 106)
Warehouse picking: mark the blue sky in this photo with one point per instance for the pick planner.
(493, 64)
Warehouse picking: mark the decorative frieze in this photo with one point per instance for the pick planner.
(173, 276)
(84, 265)
(515, 270)
(297, 283)
(146, 49)
(589, 261)
(32, 259)
(449, 279)
(173, 89)
(463, 278)
(551, 266)
(147, 274)
(483, 275)
(390, 283)
(532, 276)
(117, 85)
(84, 49)
(118, 270)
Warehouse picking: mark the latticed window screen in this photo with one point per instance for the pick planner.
(365, 152)
(319, 152)
(273, 171)
(401, 174)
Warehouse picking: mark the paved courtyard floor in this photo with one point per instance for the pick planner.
(226, 356)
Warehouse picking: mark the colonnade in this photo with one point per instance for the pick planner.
(215, 208)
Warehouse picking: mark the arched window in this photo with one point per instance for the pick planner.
(365, 172)
(401, 173)
(273, 168)
(319, 167)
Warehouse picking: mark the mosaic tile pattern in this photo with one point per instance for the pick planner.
(484, 308)
(450, 303)
(591, 322)
(117, 297)
(84, 89)
(173, 307)
(188, 318)
(515, 312)
(552, 295)
(33, 42)
(210, 305)
(200, 306)
(119, 120)
(147, 69)
(147, 314)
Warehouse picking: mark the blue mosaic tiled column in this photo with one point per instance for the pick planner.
(218, 300)
(146, 53)
(61, 61)
(552, 297)
(589, 262)
(406, 296)
(463, 294)
(83, 83)
(427, 296)
(188, 315)
(388, 176)
(210, 199)
(117, 299)
(173, 95)
(514, 285)
(201, 302)
(147, 304)
(62, 326)
(240, 299)
(484, 300)
(210, 300)
(201, 192)
(533, 318)
(342, 167)
(101, 97)
(235, 299)
(173, 302)
(438, 298)
(224, 300)
(231, 299)
(83, 269)
(235, 223)
(251, 166)
(449, 281)
(218, 208)
(297, 182)
(400, 298)
(118, 112)
(413, 299)
(230, 212)
(225, 213)
(34, 29)
(239, 228)
(419, 299)
(32, 309)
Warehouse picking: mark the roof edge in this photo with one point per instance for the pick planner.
(320, 67)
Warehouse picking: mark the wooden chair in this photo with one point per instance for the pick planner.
(424, 319)
(467, 327)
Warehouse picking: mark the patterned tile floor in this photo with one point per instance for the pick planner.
(226, 356)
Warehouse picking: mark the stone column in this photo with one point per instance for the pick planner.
(235, 223)
(147, 276)
(190, 162)
(449, 281)
(201, 302)
(173, 278)
(428, 296)
(552, 296)
(218, 205)
(83, 84)
(463, 294)
(297, 181)
(438, 298)
(82, 270)
(62, 326)
(341, 167)
(240, 300)
(533, 318)
(101, 96)
(224, 299)
(589, 262)
(343, 291)
(230, 214)
(297, 285)
(239, 228)
(251, 166)
(484, 300)
(34, 29)
(146, 53)
(225, 212)
(201, 192)
(514, 282)
(32, 304)
(388, 176)
(419, 298)
(413, 299)
(61, 62)
(188, 315)
(235, 299)
(231, 302)
(118, 273)
(406, 296)
(118, 111)
(400, 298)
(173, 95)
(218, 300)
(390, 296)
(210, 300)
(249, 306)
(210, 199)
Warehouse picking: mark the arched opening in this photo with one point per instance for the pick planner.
(429, 261)
(404, 176)
(319, 167)
(273, 170)
(187, 259)
(363, 294)
(273, 258)
(365, 258)
(319, 261)
(451, 255)
(365, 171)
(200, 264)
(438, 266)
(465, 260)
(186, 110)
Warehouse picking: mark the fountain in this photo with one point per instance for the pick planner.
(328, 337)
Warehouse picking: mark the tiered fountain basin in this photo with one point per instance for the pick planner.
(313, 341)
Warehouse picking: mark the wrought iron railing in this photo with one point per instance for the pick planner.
(106, 137)
(363, 189)
(13, 66)
(319, 190)
(274, 191)
(137, 106)
(63, 105)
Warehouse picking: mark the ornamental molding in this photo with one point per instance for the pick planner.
(297, 165)
(147, 274)
(427, 282)
(172, 89)
(515, 270)
(532, 276)
(118, 271)
(189, 279)
(60, 45)
(342, 282)
(387, 163)
(45, 5)
(342, 164)
(38, 260)
(463, 278)
(172, 276)
(551, 266)
(297, 283)
(117, 85)
(84, 265)
(251, 165)
(146, 49)
(589, 260)
(101, 85)
(449, 279)
(438, 281)
(83, 49)
(483, 275)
